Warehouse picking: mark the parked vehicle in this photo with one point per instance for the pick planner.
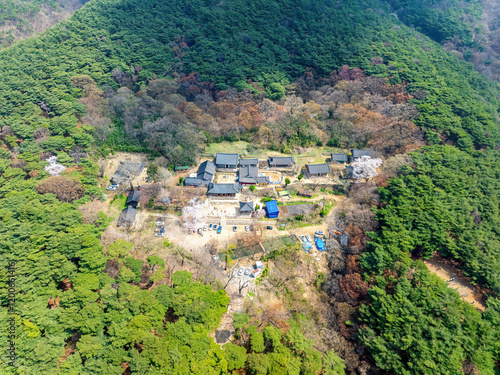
(111, 188)
(303, 238)
(255, 273)
(210, 227)
(308, 237)
(247, 271)
(247, 228)
(219, 230)
(214, 258)
(240, 272)
(269, 227)
(235, 228)
(235, 272)
(205, 227)
(320, 233)
(199, 231)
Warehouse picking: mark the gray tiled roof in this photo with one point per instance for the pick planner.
(349, 171)
(249, 174)
(206, 171)
(134, 196)
(224, 188)
(246, 206)
(193, 181)
(357, 153)
(280, 160)
(248, 171)
(342, 157)
(249, 162)
(127, 217)
(226, 159)
(315, 169)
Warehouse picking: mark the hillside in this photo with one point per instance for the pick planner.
(167, 78)
(20, 19)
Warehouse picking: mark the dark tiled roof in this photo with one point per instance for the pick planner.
(315, 169)
(339, 157)
(249, 174)
(207, 167)
(193, 181)
(206, 171)
(134, 196)
(127, 217)
(357, 153)
(226, 159)
(349, 170)
(249, 162)
(248, 171)
(255, 180)
(288, 160)
(126, 171)
(246, 206)
(224, 188)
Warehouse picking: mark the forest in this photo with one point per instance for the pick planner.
(169, 78)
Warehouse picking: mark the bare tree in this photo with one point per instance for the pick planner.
(242, 285)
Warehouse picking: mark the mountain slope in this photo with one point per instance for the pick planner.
(20, 19)
(261, 46)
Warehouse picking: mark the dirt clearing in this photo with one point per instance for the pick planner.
(466, 290)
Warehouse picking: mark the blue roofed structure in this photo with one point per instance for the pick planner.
(272, 209)
(320, 244)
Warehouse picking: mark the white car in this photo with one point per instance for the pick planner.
(235, 272)
(308, 237)
(240, 272)
(247, 271)
(111, 188)
(247, 228)
(303, 238)
(205, 227)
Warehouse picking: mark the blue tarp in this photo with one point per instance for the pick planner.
(272, 209)
(307, 246)
(320, 244)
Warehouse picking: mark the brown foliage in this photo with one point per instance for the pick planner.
(33, 174)
(149, 191)
(354, 288)
(65, 190)
(344, 313)
(352, 264)
(90, 211)
(53, 303)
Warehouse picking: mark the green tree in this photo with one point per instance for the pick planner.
(256, 339)
(152, 171)
(119, 248)
(275, 91)
(258, 364)
(333, 364)
(252, 187)
(236, 356)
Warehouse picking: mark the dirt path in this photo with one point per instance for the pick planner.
(465, 289)
(225, 333)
